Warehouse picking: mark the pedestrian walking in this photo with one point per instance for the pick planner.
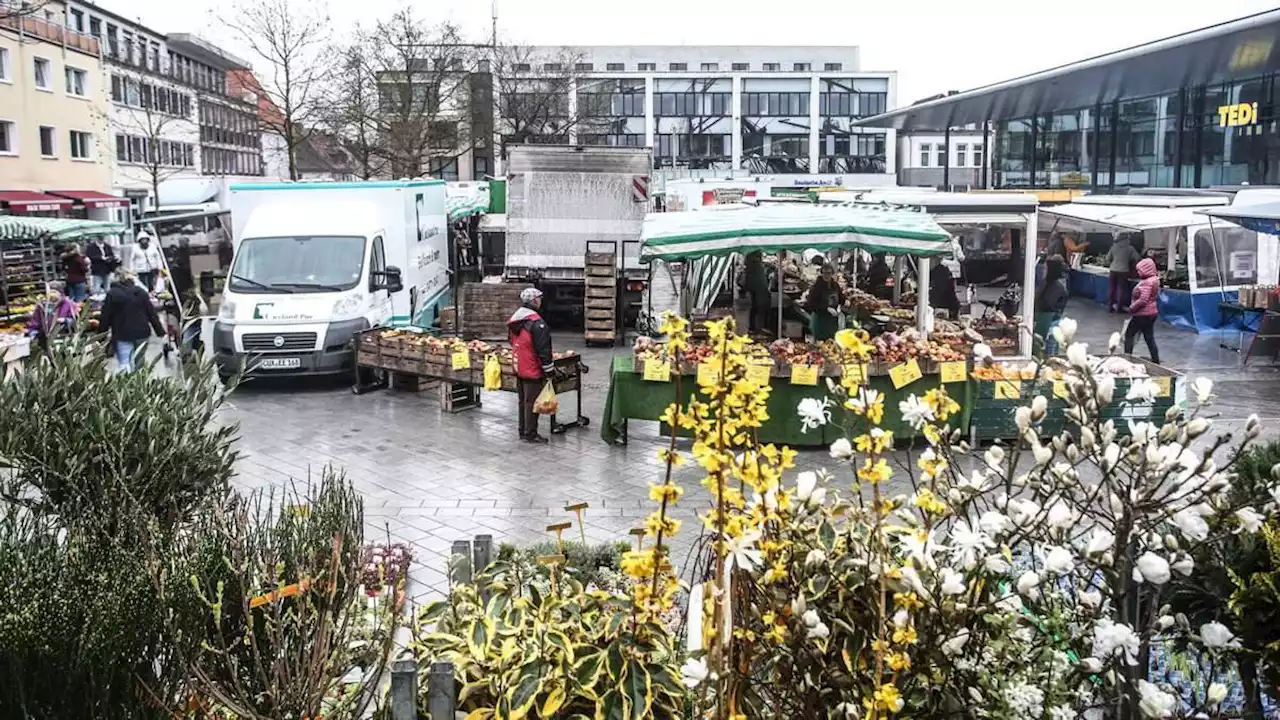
(1121, 259)
(531, 345)
(1144, 309)
(127, 313)
(102, 262)
(146, 262)
(55, 313)
(75, 268)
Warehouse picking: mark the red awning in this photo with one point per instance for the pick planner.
(92, 198)
(25, 201)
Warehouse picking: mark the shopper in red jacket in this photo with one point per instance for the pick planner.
(1144, 309)
(531, 344)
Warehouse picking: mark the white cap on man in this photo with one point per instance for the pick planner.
(530, 294)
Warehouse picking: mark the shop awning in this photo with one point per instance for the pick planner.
(793, 228)
(1089, 218)
(29, 201)
(461, 206)
(35, 228)
(1260, 218)
(92, 198)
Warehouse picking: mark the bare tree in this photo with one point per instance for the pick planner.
(352, 114)
(292, 37)
(533, 88)
(147, 134)
(13, 9)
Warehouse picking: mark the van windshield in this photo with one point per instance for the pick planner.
(297, 264)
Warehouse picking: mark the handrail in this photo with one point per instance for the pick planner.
(51, 32)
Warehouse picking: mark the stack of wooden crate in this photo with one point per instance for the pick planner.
(601, 297)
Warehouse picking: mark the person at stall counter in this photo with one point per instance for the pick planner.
(102, 262)
(876, 280)
(942, 290)
(147, 262)
(57, 311)
(1144, 309)
(127, 313)
(1120, 258)
(823, 305)
(1051, 302)
(75, 266)
(531, 344)
(756, 283)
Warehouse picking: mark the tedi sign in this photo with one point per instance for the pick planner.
(1237, 115)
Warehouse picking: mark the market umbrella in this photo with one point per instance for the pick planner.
(460, 206)
(13, 227)
(1260, 218)
(774, 228)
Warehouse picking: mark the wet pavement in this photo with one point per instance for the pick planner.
(430, 477)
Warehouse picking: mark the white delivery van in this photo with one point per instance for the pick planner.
(317, 262)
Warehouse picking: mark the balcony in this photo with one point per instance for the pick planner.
(52, 33)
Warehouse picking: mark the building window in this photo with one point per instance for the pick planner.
(48, 145)
(962, 155)
(4, 65)
(81, 145)
(709, 104)
(772, 67)
(552, 67)
(113, 41)
(77, 82)
(95, 27)
(647, 67)
(775, 104)
(801, 67)
(925, 150)
(833, 67)
(678, 67)
(939, 155)
(77, 20)
(44, 73)
(583, 67)
(710, 67)
(615, 67)
(8, 138)
(522, 67)
(741, 67)
(977, 156)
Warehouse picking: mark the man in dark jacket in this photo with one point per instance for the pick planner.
(102, 261)
(1051, 302)
(128, 314)
(942, 290)
(876, 280)
(531, 345)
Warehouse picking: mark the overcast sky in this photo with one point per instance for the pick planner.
(935, 45)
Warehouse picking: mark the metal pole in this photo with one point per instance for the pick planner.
(442, 693)
(460, 562)
(1028, 285)
(946, 159)
(482, 552)
(404, 690)
(922, 295)
(780, 254)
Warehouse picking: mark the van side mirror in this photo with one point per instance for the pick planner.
(389, 280)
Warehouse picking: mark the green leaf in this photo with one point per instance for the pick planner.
(471, 688)
(527, 688)
(480, 714)
(560, 640)
(587, 669)
(443, 640)
(827, 536)
(615, 622)
(667, 679)
(478, 636)
(612, 706)
(433, 611)
(818, 586)
(614, 662)
(555, 700)
(637, 687)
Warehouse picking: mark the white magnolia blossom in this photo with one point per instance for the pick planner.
(1191, 524)
(1065, 331)
(952, 582)
(813, 413)
(805, 483)
(1216, 693)
(1154, 702)
(979, 481)
(815, 558)
(1197, 427)
(1142, 433)
(1184, 565)
(955, 644)
(1028, 583)
(995, 523)
(997, 565)
(1112, 639)
(1078, 355)
(842, 449)
(915, 412)
(1113, 343)
(742, 551)
(1105, 388)
(1091, 599)
(693, 672)
(1250, 520)
(817, 632)
(968, 543)
(811, 618)
(1058, 560)
(1143, 390)
(1022, 416)
(1216, 635)
(1151, 568)
(1042, 454)
(1203, 388)
(1100, 541)
(994, 457)
(1061, 516)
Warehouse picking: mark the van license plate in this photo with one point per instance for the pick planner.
(280, 363)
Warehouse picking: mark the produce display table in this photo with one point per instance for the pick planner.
(631, 397)
(13, 350)
(407, 357)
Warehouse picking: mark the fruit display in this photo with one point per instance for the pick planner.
(1014, 371)
(786, 352)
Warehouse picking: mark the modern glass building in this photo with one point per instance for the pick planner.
(1194, 110)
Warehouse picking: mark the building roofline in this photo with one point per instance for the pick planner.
(136, 25)
(197, 48)
(1235, 48)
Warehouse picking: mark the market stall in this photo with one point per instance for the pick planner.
(1198, 269)
(1257, 307)
(408, 358)
(906, 360)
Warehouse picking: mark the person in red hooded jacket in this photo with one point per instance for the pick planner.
(531, 344)
(1144, 309)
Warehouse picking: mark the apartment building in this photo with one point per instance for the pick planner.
(171, 114)
(946, 161)
(54, 153)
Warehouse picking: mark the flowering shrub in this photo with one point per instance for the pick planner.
(1030, 586)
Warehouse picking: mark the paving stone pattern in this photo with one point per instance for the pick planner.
(430, 477)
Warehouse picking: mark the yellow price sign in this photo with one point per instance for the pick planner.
(708, 373)
(758, 373)
(954, 372)
(1007, 390)
(1164, 387)
(461, 359)
(905, 374)
(857, 372)
(655, 371)
(1060, 389)
(804, 374)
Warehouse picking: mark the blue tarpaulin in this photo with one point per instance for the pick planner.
(1182, 309)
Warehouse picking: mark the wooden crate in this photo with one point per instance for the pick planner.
(484, 308)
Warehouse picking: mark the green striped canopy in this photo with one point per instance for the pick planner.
(788, 227)
(460, 206)
(15, 227)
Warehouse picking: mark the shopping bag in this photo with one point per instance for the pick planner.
(492, 373)
(546, 403)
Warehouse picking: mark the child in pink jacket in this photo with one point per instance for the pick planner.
(1144, 309)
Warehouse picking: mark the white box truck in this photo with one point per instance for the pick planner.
(317, 262)
(561, 197)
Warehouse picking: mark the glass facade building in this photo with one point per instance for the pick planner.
(1184, 139)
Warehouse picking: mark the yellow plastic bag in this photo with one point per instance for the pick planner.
(546, 403)
(492, 373)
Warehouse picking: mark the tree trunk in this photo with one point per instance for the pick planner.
(1252, 695)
